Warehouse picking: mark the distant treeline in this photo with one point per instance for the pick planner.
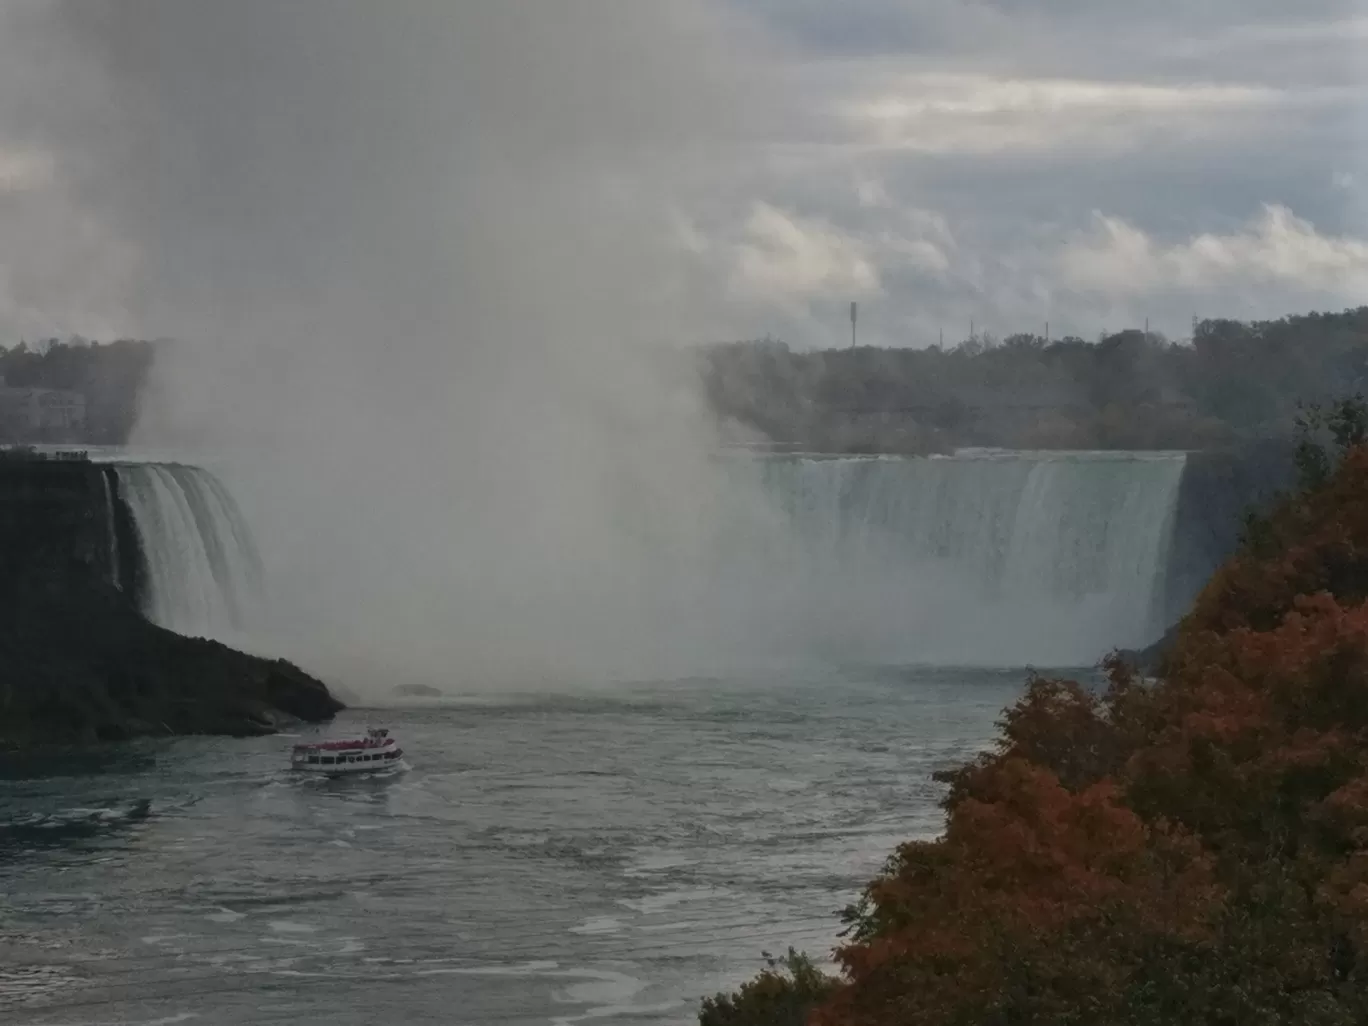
(109, 375)
(1232, 381)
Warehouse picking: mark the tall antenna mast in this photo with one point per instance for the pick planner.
(852, 324)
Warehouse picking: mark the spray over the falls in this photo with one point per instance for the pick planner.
(428, 297)
(423, 279)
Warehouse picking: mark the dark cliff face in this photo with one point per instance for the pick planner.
(58, 526)
(78, 662)
(1217, 490)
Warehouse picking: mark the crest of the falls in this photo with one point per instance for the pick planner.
(200, 566)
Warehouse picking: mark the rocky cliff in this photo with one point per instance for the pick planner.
(78, 661)
(1218, 488)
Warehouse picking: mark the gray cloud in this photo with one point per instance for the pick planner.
(1011, 122)
(1018, 123)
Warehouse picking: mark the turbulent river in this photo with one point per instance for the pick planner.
(610, 855)
(608, 852)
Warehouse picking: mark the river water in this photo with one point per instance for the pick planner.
(608, 855)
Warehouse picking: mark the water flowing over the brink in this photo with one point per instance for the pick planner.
(201, 567)
(982, 558)
(111, 532)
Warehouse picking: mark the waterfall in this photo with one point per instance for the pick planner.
(201, 566)
(111, 532)
(981, 558)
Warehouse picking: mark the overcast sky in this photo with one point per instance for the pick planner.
(1089, 163)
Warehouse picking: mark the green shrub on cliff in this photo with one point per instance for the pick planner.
(783, 995)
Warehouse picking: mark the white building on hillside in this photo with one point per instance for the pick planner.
(28, 411)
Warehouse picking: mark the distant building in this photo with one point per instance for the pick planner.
(1170, 396)
(41, 411)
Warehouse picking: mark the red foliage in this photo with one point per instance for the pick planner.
(1193, 850)
(1316, 543)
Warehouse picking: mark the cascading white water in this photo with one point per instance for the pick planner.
(201, 567)
(111, 532)
(982, 558)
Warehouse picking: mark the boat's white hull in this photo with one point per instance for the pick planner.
(340, 759)
(348, 770)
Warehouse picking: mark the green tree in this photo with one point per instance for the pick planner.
(784, 994)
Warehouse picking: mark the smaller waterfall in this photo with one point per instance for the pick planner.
(113, 534)
(201, 567)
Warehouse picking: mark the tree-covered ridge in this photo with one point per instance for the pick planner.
(1233, 381)
(109, 375)
(1192, 849)
(1132, 390)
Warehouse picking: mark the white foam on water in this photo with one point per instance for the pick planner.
(284, 926)
(598, 925)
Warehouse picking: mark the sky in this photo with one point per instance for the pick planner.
(1001, 164)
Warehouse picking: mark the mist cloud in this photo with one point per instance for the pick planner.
(419, 267)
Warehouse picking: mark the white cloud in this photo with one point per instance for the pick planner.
(787, 259)
(975, 94)
(62, 271)
(1259, 36)
(917, 254)
(871, 193)
(970, 113)
(937, 161)
(1118, 259)
(24, 169)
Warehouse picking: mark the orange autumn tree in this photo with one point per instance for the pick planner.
(1187, 850)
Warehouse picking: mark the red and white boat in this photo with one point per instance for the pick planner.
(376, 751)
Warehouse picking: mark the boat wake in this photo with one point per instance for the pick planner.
(40, 829)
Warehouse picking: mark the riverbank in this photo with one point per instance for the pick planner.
(87, 667)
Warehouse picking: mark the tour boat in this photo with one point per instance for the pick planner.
(376, 751)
